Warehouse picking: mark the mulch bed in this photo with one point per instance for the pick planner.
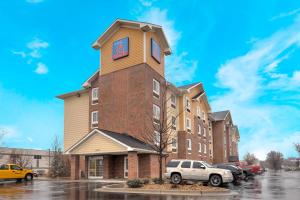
(194, 187)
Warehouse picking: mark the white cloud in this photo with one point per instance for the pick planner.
(20, 53)
(147, 3)
(249, 82)
(34, 1)
(41, 68)
(179, 67)
(29, 139)
(37, 44)
(286, 14)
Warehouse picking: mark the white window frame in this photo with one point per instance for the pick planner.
(156, 90)
(174, 124)
(174, 145)
(198, 111)
(93, 91)
(199, 129)
(203, 115)
(188, 125)
(200, 148)
(204, 131)
(189, 144)
(187, 103)
(173, 102)
(92, 117)
(156, 138)
(156, 112)
(204, 149)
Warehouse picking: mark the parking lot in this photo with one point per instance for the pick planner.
(282, 185)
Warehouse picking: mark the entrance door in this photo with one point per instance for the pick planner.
(125, 167)
(95, 167)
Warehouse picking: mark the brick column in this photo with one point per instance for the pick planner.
(82, 167)
(132, 165)
(107, 166)
(74, 167)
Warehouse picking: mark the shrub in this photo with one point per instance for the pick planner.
(135, 183)
(157, 181)
(145, 181)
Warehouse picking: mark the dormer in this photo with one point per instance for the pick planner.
(129, 43)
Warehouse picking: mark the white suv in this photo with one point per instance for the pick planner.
(178, 170)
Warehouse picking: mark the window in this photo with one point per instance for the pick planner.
(173, 100)
(204, 150)
(187, 104)
(15, 167)
(200, 148)
(203, 115)
(156, 87)
(173, 164)
(4, 167)
(94, 117)
(199, 129)
(173, 122)
(225, 153)
(188, 124)
(174, 144)
(204, 132)
(186, 164)
(156, 112)
(95, 94)
(156, 138)
(198, 165)
(198, 111)
(189, 144)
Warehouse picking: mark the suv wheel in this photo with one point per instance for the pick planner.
(215, 180)
(176, 178)
(28, 177)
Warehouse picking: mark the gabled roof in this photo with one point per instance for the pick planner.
(76, 92)
(131, 143)
(87, 83)
(219, 116)
(189, 86)
(197, 96)
(144, 26)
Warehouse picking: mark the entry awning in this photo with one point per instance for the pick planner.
(106, 142)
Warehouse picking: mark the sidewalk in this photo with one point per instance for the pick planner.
(67, 179)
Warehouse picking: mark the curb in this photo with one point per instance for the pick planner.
(107, 189)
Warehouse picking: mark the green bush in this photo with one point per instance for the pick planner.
(145, 181)
(157, 181)
(135, 183)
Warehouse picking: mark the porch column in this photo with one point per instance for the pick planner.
(132, 165)
(74, 167)
(107, 166)
(82, 167)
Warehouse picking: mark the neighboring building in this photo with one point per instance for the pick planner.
(226, 137)
(38, 160)
(106, 121)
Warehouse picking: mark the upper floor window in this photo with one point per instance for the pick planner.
(204, 132)
(199, 129)
(204, 148)
(156, 138)
(173, 122)
(94, 95)
(173, 100)
(200, 148)
(189, 144)
(156, 87)
(174, 144)
(188, 104)
(156, 112)
(198, 111)
(94, 117)
(203, 115)
(188, 124)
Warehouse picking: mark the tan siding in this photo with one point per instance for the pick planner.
(159, 67)
(98, 143)
(76, 119)
(135, 56)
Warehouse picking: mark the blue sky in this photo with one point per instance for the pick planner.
(246, 53)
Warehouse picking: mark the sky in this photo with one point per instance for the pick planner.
(246, 53)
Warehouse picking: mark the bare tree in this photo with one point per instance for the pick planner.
(2, 134)
(297, 147)
(161, 133)
(274, 160)
(20, 158)
(250, 158)
(60, 166)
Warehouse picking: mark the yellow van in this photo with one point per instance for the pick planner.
(12, 171)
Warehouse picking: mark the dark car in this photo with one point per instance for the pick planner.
(237, 172)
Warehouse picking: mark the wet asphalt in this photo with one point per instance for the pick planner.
(271, 185)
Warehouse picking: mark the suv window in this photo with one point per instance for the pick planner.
(173, 163)
(198, 165)
(15, 167)
(186, 164)
(4, 167)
